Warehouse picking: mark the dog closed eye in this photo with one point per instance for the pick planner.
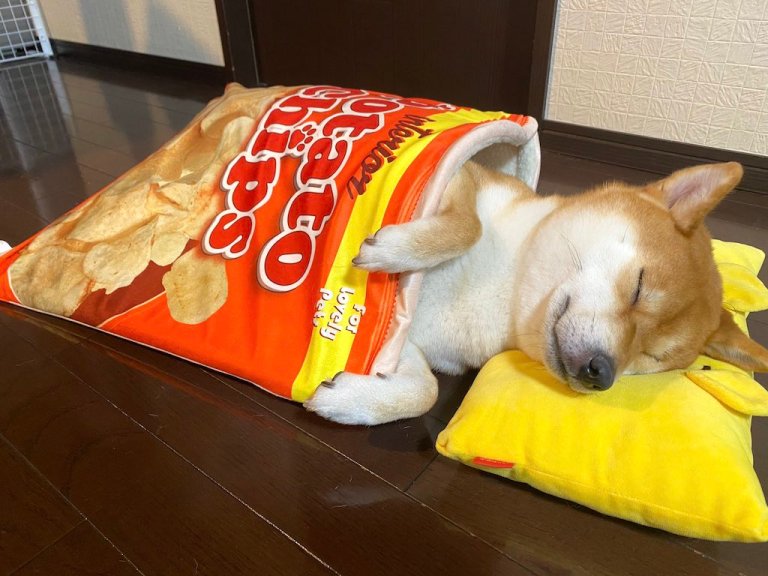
(652, 357)
(639, 288)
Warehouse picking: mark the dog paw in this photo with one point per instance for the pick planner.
(346, 399)
(388, 250)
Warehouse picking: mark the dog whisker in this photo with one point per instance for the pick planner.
(536, 333)
(574, 253)
(530, 335)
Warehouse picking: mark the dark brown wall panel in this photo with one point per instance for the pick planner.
(477, 54)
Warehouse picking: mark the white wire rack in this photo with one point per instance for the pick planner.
(22, 31)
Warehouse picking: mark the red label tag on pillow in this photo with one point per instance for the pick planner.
(490, 463)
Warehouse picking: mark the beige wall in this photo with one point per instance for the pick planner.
(687, 70)
(183, 29)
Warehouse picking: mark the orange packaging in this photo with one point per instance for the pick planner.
(232, 245)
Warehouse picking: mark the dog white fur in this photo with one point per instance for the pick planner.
(617, 280)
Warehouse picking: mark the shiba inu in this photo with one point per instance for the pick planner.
(617, 280)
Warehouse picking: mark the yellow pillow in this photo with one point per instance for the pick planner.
(670, 450)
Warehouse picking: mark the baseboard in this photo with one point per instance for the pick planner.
(650, 154)
(183, 69)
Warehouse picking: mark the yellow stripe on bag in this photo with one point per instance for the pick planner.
(347, 284)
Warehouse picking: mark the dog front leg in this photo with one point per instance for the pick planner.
(408, 392)
(420, 244)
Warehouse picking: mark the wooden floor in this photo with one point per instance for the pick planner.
(115, 459)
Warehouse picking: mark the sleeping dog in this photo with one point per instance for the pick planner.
(617, 280)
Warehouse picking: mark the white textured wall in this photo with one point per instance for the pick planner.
(183, 29)
(687, 70)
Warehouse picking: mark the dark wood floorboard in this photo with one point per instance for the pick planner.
(83, 551)
(116, 459)
(549, 535)
(34, 515)
(211, 424)
(162, 512)
(397, 452)
(132, 85)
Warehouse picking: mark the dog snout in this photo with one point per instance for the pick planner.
(598, 372)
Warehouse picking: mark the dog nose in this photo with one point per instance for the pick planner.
(598, 373)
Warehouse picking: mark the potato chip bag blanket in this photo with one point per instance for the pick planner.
(232, 245)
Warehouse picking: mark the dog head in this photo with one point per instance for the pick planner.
(622, 280)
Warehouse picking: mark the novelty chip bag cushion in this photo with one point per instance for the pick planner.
(670, 450)
(232, 245)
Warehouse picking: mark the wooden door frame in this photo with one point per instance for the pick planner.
(238, 41)
(546, 12)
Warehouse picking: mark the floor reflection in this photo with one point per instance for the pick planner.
(34, 137)
(31, 101)
(65, 131)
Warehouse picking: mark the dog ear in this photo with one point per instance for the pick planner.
(730, 344)
(691, 193)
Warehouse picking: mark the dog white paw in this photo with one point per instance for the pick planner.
(348, 399)
(388, 250)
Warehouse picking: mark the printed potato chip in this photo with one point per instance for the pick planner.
(160, 205)
(207, 201)
(170, 223)
(197, 159)
(206, 206)
(240, 103)
(57, 232)
(167, 247)
(196, 286)
(116, 263)
(181, 194)
(113, 214)
(54, 234)
(50, 279)
(164, 166)
(235, 133)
